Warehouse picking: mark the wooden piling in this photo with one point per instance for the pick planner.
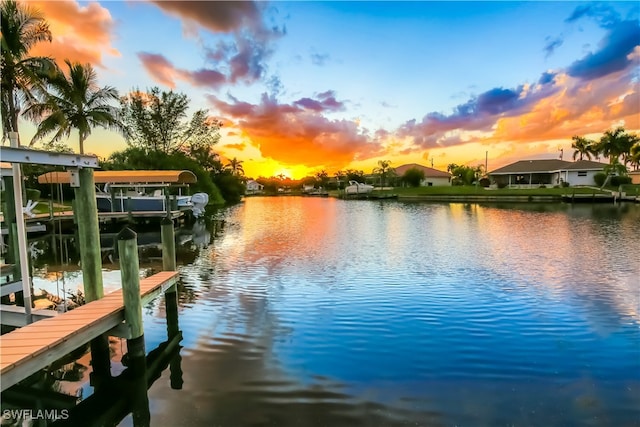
(130, 274)
(169, 264)
(136, 354)
(129, 210)
(86, 214)
(168, 245)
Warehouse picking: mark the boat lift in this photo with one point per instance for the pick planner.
(16, 155)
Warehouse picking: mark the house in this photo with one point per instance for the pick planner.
(254, 187)
(635, 177)
(432, 177)
(551, 172)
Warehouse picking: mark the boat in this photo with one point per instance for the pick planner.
(139, 190)
(138, 198)
(356, 187)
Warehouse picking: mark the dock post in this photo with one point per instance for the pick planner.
(169, 264)
(130, 274)
(129, 210)
(168, 245)
(85, 213)
(136, 354)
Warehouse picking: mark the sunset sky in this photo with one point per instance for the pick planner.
(309, 86)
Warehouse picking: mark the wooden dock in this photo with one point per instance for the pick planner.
(31, 348)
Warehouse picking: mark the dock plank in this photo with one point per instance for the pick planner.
(26, 350)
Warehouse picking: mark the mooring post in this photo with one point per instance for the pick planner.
(169, 264)
(130, 274)
(85, 211)
(85, 214)
(168, 245)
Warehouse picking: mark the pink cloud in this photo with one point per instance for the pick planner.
(293, 135)
(80, 33)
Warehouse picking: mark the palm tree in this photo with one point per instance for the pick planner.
(235, 166)
(583, 147)
(616, 143)
(339, 175)
(22, 75)
(323, 177)
(635, 156)
(383, 169)
(75, 102)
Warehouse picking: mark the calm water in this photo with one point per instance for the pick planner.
(321, 312)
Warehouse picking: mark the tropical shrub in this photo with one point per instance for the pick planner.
(413, 177)
(620, 180)
(599, 178)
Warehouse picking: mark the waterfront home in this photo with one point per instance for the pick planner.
(530, 173)
(254, 187)
(635, 177)
(432, 177)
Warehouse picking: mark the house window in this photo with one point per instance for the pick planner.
(582, 173)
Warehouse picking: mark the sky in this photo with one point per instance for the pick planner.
(308, 86)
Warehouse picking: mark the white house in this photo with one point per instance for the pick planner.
(253, 187)
(529, 173)
(432, 177)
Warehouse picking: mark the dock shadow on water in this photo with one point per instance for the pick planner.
(322, 312)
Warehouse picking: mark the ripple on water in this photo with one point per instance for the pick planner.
(370, 314)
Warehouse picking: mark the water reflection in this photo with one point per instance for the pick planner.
(325, 312)
(305, 311)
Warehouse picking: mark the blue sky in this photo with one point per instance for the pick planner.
(306, 86)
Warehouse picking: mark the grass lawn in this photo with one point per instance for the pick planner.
(473, 190)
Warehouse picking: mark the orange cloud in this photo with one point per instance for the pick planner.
(577, 110)
(238, 147)
(297, 133)
(80, 33)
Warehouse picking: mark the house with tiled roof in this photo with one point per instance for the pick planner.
(531, 173)
(432, 177)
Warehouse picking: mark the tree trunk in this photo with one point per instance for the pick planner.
(81, 143)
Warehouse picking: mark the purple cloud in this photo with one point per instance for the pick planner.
(478, 113)
(613, 54)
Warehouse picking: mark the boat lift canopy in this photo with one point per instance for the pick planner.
(128, 177)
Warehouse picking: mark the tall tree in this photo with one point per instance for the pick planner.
(22, 75)
(75, 102)
(157, 121)
(383, 170)
(451, 167)
(340, 175)
(583, 147)
(323, 178)
(616, 143)
(635, 156)
(235, 166)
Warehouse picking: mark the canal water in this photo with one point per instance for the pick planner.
(323, 312)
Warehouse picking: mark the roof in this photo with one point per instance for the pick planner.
(547, 166)
(126, 177)
(585, 165)
(428, 172)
